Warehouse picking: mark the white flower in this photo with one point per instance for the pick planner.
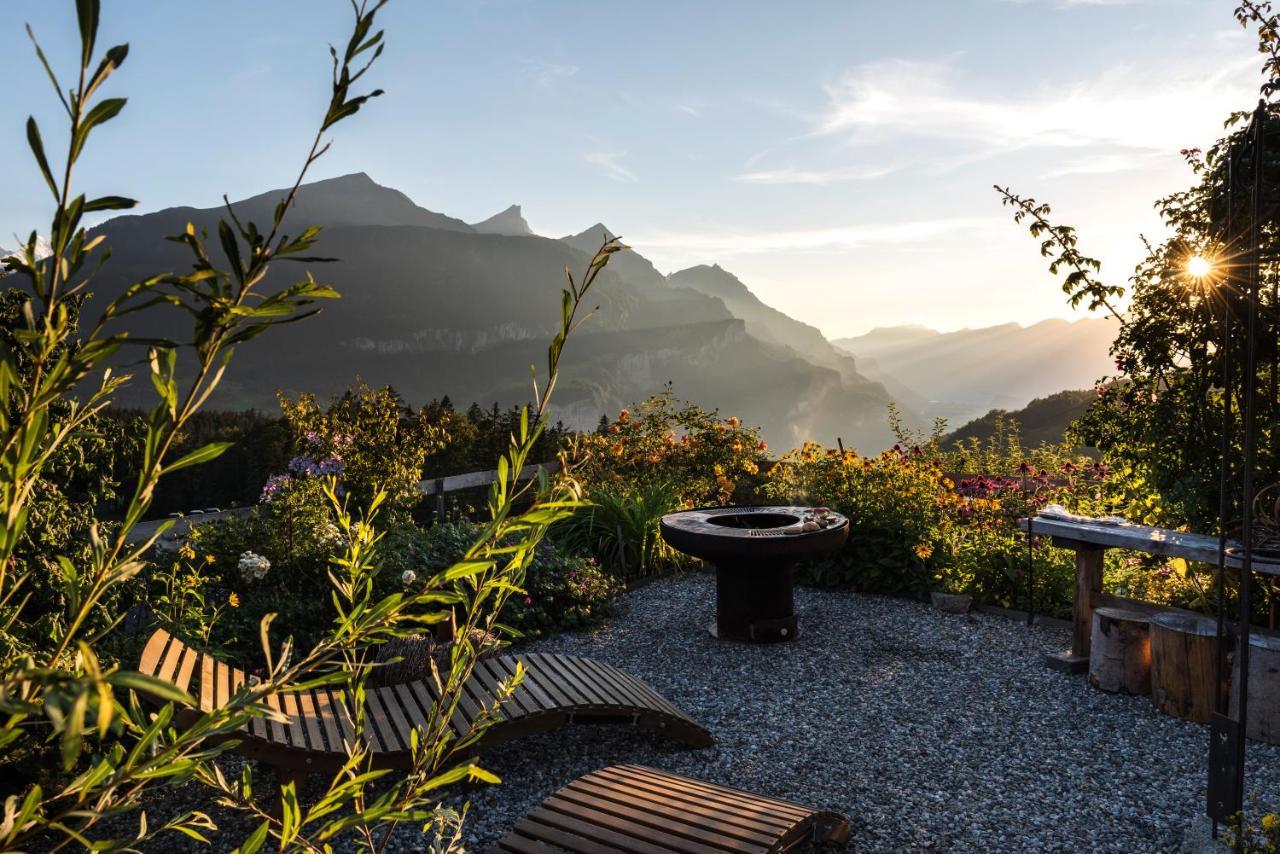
(253, 566)
(408, 577)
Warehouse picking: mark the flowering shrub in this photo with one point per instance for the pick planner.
(897, 502)
(368, 437)
(711, 460)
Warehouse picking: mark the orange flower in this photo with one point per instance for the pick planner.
(624, 415)
(233, 600)
(735, 422)
(924, 551)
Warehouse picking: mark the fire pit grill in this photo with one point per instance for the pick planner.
(755, 550)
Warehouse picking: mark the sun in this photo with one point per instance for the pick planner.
(1198, 266)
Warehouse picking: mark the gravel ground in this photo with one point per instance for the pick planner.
(931, 732)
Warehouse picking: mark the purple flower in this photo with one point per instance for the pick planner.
(273, 485)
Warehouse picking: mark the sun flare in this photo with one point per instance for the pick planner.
(1198, 266)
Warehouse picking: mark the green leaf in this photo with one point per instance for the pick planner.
(37, 148)
(211, 451)
(110, 203)
(151, 686)
(253, 842)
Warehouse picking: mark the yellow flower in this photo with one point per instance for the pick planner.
(233, 600)
(1271, 822)
(924, 551)
(210, 559)
(187, 552)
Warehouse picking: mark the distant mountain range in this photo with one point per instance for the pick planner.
(433, 306)
(962, 375)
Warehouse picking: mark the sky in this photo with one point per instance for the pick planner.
(838, 157)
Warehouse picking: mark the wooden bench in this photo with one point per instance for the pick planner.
(630, 809)
(1090, 541)
(556, 690)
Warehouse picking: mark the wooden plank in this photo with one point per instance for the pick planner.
(153, 652)
(1140, 538)
(635, 792)
(697, 827)
(186, 668)
(208, 693)
(504, 669)
(278, 734)
(289, 702)
(1088, 586)
(512, 708)
(560, 840)
(328, 720)
(603, 681)
(624, 840)
(475, 479)
(315, 738)
(337, 702)
(375, 717)
(169, 664)
(397, 715)
(720, 794)
(538, 674)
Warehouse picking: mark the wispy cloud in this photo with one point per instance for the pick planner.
(689, 110)
(734, 243)
(1143, 108)
(895, 114)
(548, 74)
(610, 162)
(792, 175)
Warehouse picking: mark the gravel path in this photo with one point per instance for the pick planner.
(929, 731)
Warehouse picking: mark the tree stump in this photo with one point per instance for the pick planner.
(1263, 712)
(1120, 651)
(1182, 666)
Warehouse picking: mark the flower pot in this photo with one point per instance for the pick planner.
(952, 603)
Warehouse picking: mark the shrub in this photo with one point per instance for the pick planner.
(369, 437)
(620, 528)
(897, 503)
(562, 591)
(710, 460)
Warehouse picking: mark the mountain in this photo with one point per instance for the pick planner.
(348, 200)
(765, 322)
(631, 265)
(961, 375)
(432, 306)
(43, 249)
(1044, 419)
(509, 222)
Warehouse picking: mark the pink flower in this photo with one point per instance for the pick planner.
(528, 600)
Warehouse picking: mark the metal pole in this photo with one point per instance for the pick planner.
(1250, 454)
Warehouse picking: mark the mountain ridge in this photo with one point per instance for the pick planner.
(434, 306)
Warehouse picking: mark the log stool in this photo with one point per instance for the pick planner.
(1182, 666)
(1263, 711)
(1120, 651)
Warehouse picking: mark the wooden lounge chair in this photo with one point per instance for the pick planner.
(638, 810)
(556, 690)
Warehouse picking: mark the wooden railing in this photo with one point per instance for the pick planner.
(437, 486)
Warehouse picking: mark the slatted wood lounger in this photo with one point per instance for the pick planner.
(630, 809)
(556, 690)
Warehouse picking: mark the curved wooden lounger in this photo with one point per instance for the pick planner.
(636, 810)
(556, 690)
